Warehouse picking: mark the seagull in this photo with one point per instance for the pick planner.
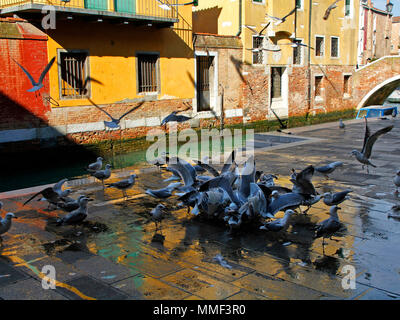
(278, 224)
(114, 123)
(252, 29)
(103, 174)
(331, 7)
(328, 227)
(123, 185)
(50, 195)
(76, 216)
(296, 44)
(278, 21)
(336, 198)
(157, 214)
(341, 124)
(5, 224)
(71, 205)
(369, 140)
(396, 181)
(395, 213)
(37, 85)
(329, 168)
(163, 193)
(174, 117)
(263, 49)
(95, 166)
(394, 113)
(58, 188)
(268, 179)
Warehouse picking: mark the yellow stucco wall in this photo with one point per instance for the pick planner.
(112, 62)
(254, 14)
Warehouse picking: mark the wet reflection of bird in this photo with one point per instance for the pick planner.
(334, 199)
(103, 174)
(39, 84)
(328, 227)
(396, 181)
(95, 166)
(369, 141)
(76, 216)
(123, 185)
(278, 224)
(157, 214)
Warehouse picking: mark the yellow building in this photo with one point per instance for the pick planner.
(276, 36)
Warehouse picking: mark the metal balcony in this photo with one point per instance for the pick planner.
(140, 11)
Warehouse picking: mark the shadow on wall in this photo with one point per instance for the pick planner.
(206, 21)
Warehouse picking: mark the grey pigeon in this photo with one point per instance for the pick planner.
(278, 224)
(329, 168)
(95, 166)
(123, 185)
(76, 216)
(157, 214)
(328, 227)
(369, 140)
(334, 199)
(396, 181)
(103, 174)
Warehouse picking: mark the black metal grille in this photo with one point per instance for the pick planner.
(203, 72)
(74, 75)
(147, 72)
(319, 46)
(257, 56)
(334, 47)
(297, 51)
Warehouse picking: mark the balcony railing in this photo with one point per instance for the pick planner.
(139, 8)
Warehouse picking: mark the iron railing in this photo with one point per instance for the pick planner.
(145, 8)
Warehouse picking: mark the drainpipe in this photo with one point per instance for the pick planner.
(309, 58)
(240, 19)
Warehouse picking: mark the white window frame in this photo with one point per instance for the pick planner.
(338, 56)
(350, 16)
(319, 98)
(258, 2)
(262, 51)
(301, 53)
(315, 46)
(301, 6)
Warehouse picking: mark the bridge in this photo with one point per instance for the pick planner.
(374, 82)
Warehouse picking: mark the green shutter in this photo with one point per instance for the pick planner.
(96, 4)
(127, 6)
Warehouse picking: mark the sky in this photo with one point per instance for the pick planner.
(381, 4)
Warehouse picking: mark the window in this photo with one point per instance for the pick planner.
(259, 1)
(297, 53)
(258, 55)
(319, 46)
(74, 74)
(334, 47)
(299, 4)
(276, 82)
(346, 84)
(347, 8)
(318, 86)
(147, 72)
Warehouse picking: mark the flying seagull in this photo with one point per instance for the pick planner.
(369, 140)
(37, 85)
(168, 6)
(296, 44)
(253, 29)
(328, 227)
(278, 21)
(330, 8)
(163, 192)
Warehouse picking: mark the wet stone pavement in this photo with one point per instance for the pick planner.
(118, 254)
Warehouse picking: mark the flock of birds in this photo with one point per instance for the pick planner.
(236, 197)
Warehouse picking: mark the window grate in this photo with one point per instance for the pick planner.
(276, 82)
(73, 75)
(334, 47)
(319, 46)
(203, 70)
(258, 56)
(147, 73)
(297, 53)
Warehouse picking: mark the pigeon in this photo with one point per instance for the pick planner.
(369, 140)
(157, 214)
(123, 185)
(103, 174)
(396, 181)
(335, 198)
(37, 85)
(329, 168)
(329, 9)
(278, 224)
(328, 227)
(95, 166)
(341, 124)
(5, 223)
(76, 216)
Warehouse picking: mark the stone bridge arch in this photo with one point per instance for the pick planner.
(373, 83)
